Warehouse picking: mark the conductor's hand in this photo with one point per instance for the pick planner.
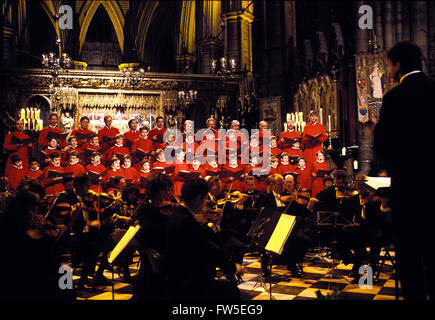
(240, 270)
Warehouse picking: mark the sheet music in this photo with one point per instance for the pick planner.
(281, 233)
(378, 182)
(125, 240)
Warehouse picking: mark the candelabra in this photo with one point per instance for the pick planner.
(54, 64)
(133, 76)
(31, 119)
(187, 97)
(225, 67)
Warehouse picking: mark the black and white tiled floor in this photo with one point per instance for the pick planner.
(317, 278)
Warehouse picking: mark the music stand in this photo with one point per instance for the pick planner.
(265, 229)
(335, 220)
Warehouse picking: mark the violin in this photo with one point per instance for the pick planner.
(301, 197)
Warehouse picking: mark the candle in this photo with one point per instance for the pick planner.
(303, 125)
(150, 122)
(22, 114)
(355, 164)
(285, 127)
(288, 116)
(321, 115)
(343, 151)
(329, 122)
(40, 124)
(38, 114)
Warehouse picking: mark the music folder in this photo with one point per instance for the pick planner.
(374, 183)
(189, 174)
(83, 136)
(59, 136)
(16, 140)
(141, 153)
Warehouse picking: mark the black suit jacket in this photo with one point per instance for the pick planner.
(193, 251)
(407, 123)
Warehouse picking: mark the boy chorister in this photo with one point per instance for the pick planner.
(52, 182)
(73, 164)
(95, 171)
(16, 172)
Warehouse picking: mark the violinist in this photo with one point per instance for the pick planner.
(196, 244)
(342, 198)
(152, 234)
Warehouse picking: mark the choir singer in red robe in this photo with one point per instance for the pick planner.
(313, 137)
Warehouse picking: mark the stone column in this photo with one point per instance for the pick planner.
(209, 49)
(389, 34)
(238, 38)
(365, 131)
(379, 27)
(8, 47)
(419, 30)
(185, 63)
(431, 53)
(399, 21)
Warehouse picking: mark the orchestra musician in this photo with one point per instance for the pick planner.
(190, 240)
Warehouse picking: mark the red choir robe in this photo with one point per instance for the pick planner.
(294, 154)
(52, 185)
(304, 179)
(275, 151)
(313, 137)
(317, 184)
(111, 173)
(105, 136)
(44, 134)
(66, 153)
(116, 150)
(190, 150)
(86, 152)
(75, 169)
(15, 176)
(233, 148)
(159, 133)
(285, 169)
(12, 147)
(178, 179)
(143, 175)
(130, 137)
(263, 137)
(93, 171)
(34, 174)
(45, 154)
(141, 148)
(285, 139)
(82, 135)
(237, 172)
(130, 174)
(260, 176)
(207, 147)
(200, 170)
(212, 170)
(274, 170)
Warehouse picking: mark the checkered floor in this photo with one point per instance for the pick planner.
(318, 278)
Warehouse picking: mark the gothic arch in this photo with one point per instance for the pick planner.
(148, 10)
(113, 10)
(187, 29)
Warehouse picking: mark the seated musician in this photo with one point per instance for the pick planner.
(342, 199)
(74, 166)
(95, 170)
(297, 244)
(375, 219)
(130, 173)
(152, 236)
(319, 169)
(196, 244)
